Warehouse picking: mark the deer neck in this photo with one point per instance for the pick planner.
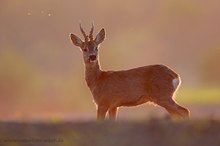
(92, 73)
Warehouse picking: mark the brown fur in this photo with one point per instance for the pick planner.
(112, 89)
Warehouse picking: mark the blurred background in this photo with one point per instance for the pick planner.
(42, 73)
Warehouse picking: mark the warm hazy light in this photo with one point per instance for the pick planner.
(42, 73)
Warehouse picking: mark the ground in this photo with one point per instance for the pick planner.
(152, 132)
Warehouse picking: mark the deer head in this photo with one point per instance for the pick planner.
(90, 46)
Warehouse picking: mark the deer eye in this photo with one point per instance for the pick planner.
(85, 50)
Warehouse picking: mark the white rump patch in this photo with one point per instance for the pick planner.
(175, 82)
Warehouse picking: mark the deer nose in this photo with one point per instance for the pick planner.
(92, 57)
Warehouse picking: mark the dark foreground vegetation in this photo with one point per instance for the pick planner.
(154, 132)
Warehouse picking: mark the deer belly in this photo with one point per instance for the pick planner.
(136, 101)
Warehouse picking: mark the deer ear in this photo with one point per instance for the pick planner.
(76, 40)
(100, 36)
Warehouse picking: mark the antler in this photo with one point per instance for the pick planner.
(83, 32)
(91, 32)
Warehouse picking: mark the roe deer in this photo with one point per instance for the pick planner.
(112, 89)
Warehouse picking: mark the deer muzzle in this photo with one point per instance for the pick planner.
(92, 57)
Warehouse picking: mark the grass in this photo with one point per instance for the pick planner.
(200, 96)
(154, 132)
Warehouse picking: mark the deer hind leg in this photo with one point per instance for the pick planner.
(112, 113)
(174, 109)
(101, 112)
